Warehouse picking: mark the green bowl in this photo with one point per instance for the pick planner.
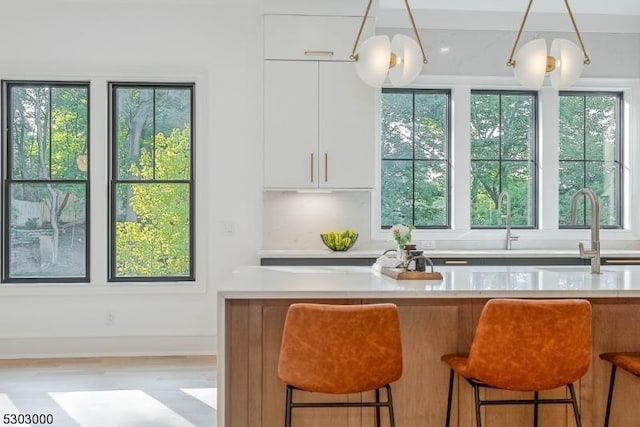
(338, 243)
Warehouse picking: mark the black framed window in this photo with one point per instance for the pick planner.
(46, 182)
(503, 156)
(152, 182)
(415, 167)
(590, 155)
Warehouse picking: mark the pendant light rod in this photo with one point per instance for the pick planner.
(415, 31)
(354, 55)
(511, 62)
(575, 28)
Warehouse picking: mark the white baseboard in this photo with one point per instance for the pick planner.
(36, 348)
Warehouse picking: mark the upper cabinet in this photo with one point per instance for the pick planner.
(295, 37)
(319, 118)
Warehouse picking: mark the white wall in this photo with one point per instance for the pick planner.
(216, 44)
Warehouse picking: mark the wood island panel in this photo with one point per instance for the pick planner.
(430, 328)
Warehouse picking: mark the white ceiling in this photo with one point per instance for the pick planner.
(608, 7)
(599, 16)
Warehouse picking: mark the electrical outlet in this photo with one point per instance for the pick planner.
(226, 228)
(110, 318)
(428, 244)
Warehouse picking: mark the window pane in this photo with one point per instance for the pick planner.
(430, 193)
(47, 230)
(29, 128)
(484, 201)
(572, 125)
(134, 128)
(431, 126)
(152, 230)
(69, 132)
(152, 205)
(602, 179)
(503, 155)
(397, 191)
(46, 208)
(485, 126)
(517, 127)
(517, 177)
(601, 129)
(571, 175)
(397, 125)
(590, 147)
(415, 167)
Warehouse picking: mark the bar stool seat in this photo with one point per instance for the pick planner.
(526, 345)
(630, 362)
(340, 349)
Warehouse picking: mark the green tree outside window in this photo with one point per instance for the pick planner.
(503, 156)
(415, 158)
(152, 192)
(590, 155)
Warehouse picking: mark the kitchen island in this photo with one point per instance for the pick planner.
(437, 317)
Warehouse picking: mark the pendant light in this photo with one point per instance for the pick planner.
(563, 63)
(401, 57)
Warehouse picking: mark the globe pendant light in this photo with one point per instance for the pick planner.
(401, 57)
(564, 62)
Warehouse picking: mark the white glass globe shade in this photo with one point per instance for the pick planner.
(373, 60)
(570, 63)
(409, 60)
(531, 64)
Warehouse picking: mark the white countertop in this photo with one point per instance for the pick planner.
(438, 253)
(255, 282)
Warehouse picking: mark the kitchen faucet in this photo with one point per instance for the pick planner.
(594, 252)
(509, 238)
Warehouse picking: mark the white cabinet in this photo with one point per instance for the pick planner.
(319, 126)
(326, 38)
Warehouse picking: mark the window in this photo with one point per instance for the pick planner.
(590, 155)
(503, 156)
(46, 202)
(152, 186)
(415, 158)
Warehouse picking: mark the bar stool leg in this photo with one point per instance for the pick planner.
(574, 403)
(378, 408)
(610, 395)
(450, 396)
(476, 389)
(535, 408)
(287, 414)
(392, 417)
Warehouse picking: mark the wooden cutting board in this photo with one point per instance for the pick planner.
(400, 274)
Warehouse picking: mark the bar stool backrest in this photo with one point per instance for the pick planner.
(530, 345)
(340, 349)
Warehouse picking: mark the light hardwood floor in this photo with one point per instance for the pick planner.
(110, 392)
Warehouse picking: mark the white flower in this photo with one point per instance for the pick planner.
(400, 230)
(402, 234)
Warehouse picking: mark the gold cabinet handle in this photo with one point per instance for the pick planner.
(326, 167)
(318, 52)
(622, 261)
(456, 261)
(311, 168)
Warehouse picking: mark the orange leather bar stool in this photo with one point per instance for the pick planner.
(630, 362)
(340, 349)
(526, 345)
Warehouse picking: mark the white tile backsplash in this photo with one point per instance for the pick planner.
(295, 220)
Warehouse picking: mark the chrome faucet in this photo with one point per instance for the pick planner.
(594, 252)
(509, 238)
